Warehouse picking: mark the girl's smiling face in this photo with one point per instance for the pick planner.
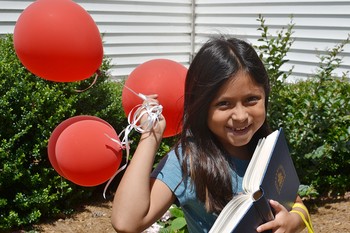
(237, 112)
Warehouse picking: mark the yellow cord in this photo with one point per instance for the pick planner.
(307, 222)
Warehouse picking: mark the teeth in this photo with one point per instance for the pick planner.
(240, 128)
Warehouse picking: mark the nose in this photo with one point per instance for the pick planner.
(239, 114)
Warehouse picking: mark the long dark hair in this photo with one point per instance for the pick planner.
(204, 159)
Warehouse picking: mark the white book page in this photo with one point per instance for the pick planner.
(232, 214)
(246, 184)
(253, 177)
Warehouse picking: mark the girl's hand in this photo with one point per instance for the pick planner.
(159, 127)
(284, 221)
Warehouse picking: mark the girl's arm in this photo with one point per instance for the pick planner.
(284, 221)
(139, 201)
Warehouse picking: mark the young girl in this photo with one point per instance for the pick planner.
(226, 96)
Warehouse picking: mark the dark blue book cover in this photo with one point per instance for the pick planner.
(270, 175)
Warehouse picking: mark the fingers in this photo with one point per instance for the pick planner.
(277, 206)
(280, 212)
(149, 115)
(152, 96)
(266, 226)
(150, 100)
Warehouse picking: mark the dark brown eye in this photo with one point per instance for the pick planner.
(222, 103)
(253, 99)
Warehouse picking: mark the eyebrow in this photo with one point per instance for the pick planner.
(251, 92)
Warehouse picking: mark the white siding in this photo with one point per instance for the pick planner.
(318, 25)
(140, 30)
(137, 31)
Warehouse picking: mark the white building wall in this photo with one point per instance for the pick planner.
(140, 30)
(319, 25)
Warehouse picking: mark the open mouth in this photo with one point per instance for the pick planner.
(239, 130)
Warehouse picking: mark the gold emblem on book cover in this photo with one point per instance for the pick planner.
(279, 178)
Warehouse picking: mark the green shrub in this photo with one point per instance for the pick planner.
(317, 118)
(31, 108)
(314, 113)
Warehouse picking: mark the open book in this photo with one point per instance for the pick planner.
(270, 175)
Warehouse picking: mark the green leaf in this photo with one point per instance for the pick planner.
(176, 212)
(178, 223)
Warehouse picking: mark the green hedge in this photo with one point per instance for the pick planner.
(30, 109)
(318, 124)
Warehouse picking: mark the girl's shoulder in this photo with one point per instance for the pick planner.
(169, 162)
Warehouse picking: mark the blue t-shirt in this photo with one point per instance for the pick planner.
(197, 218)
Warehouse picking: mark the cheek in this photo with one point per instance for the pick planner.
(216, 119)
(261, 115)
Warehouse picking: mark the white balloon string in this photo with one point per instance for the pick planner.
(119, 170)
(153, 112)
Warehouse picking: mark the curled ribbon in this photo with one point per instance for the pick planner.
(153, 111)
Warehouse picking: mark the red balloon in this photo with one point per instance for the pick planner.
(165, 78)
(86, 155)
(51, 147)
(58, 40)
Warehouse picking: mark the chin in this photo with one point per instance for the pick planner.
(241, 142)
